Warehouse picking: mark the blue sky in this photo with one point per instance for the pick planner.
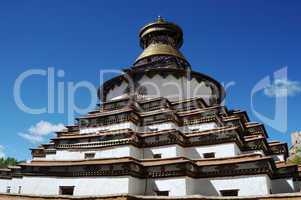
(240, 41)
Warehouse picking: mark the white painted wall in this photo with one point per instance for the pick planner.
(285, 185)
(160, 127)
(247, 185)
(254, 151)
(137, 186)
(136, 152)
(167, 151)
(169, 87)
(120, 151)
(181, 186)
(15, 184)
(220, 150)
(200, 127)
(279, 157)
(83, 186)
(192, 187)
(175, 186)
(117, 92)
(3, 185)
(63, 155)
(107, 152)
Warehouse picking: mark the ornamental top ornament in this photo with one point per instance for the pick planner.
(161, 40)
(161, 70)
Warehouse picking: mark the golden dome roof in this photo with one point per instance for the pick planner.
(159, 49)
(160, 38)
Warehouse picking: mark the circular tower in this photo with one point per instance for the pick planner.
(161, 70)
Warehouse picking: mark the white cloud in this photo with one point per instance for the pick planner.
(38, 132)
(282, 88)
(2, 154)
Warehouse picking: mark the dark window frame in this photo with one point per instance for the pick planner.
(89, 155)
(209, 155)
(157, 155)
(8, 189)
(229, 193)
(162, 193)
(66, 190)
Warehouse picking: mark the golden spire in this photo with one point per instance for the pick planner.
(160, 38)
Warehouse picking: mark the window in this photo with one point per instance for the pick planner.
(228, 193)
(66, 190)
(153, 129)
(157, 155)
(8, 189)
(89, 155)
(162, 193)
(209, 155)
(19, 189)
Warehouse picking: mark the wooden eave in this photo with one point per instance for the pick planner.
(127, 140)
(97, 134)
(230, 118)
(190, 100)
(263, 140)
(145, 101)
(163, 132)
(280, 145)
(255, 124)
(156, 112)
(166, 161)
(109, 161)
(147, 134)
(197, 111)
(216, 130)
(106, 113)
(242, 114)
(5, 170)
(148, 167)
(150, 162)
(234, 160)
(284, 170)
(283, 164)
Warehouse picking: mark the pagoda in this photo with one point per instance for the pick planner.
(161, 129)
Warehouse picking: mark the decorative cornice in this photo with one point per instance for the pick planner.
(154, 168)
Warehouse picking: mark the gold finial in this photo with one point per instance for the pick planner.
(160, 19)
